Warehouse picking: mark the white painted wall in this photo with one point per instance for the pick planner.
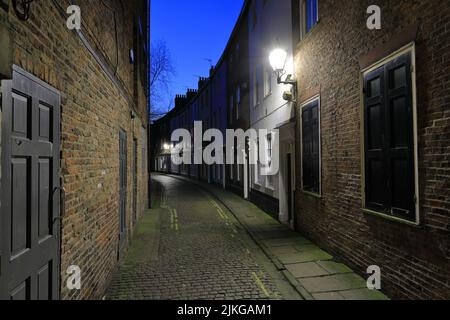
(273, 29)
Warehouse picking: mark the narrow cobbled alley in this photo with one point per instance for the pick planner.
(199, 243)
(191, 247)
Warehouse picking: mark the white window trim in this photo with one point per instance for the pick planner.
(304, 104)
(256, 167)
(255, 88)
(409, 48)
(268, 185)
(268, 85)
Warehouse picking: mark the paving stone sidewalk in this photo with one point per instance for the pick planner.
(314, 273)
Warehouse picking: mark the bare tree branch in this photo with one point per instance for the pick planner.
(162, 73)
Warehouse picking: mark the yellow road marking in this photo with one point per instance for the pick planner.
(172, 218)
(260, 284)
(175, 214)
(220, 214)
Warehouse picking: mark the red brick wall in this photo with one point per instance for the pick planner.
(415, 261)
(93, 110)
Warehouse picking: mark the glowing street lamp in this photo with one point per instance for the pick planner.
(278, 58)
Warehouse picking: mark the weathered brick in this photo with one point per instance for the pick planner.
(414, 261)
(93, 108)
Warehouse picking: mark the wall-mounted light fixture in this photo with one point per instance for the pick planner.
(278, 58)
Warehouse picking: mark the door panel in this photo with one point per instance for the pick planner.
(29, 244)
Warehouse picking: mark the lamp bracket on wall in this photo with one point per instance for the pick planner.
(287, 80)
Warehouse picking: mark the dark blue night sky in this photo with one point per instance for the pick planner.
(194, 30)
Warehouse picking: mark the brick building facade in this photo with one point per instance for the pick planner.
(371, 132)
(99, 75)
(337, 62)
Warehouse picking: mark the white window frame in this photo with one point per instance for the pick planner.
(411, 49)
(257, 171)
(256, 101)
(270, 178)
(304, 104)
(268, 81)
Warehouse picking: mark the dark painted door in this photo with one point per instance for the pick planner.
(30, 183)
(123, 184)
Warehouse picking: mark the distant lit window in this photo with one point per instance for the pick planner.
(255, 87)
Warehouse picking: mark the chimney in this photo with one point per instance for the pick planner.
(191, 93)
(180, 101)
(201, 82)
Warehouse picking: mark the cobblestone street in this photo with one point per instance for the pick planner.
(191, 247)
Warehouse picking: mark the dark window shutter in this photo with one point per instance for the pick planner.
(375, 158)
(389, 147)
(400, 142)
(311, 147)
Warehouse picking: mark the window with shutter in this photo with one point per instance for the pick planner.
(311, 147)
(389, 142)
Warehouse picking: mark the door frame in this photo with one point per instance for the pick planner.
(135, 179)
(123, 203)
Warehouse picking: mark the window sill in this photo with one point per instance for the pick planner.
(391, 218)
(268, 95)
(312, 194)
